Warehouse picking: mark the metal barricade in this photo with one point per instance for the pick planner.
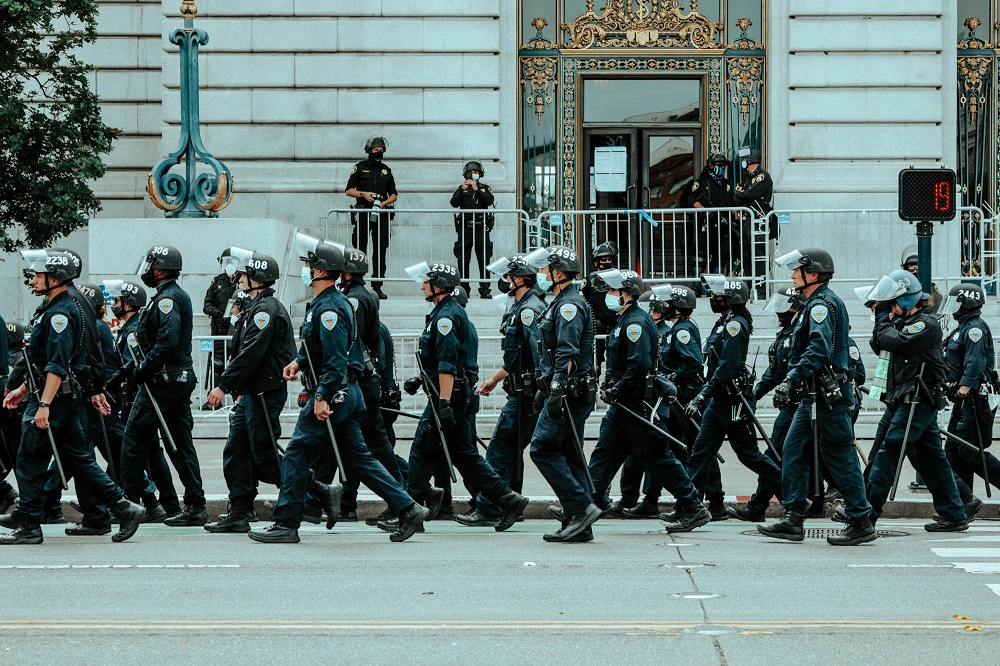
(395, 239)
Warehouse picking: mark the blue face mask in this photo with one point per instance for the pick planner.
(306, 276)
(612, 302)
(543, 282)
(718, 170)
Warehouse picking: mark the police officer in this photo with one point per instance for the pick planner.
(724, 413)
(520, 343)
(969, 353)
(632, 356)
(566, 392)
(162, 365)
(712, 189)
(786, 304)
(594, 291)
(916, 389)
(857, 374)
(11, 341)
(755, 192)
(373, 185)
(448, 355)
(55, 352)
(366, 320)
(474, 229)
(818, 377)
(220, 292)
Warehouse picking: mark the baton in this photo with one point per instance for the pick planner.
(409, 415)
(961, 442)
(169, 438)
(4, 470)
(817, 474)
(753, 417)
(329, 426)
(278, 451)
(657, 429)
(107, 445)
(432, 393)
(579, 446)
(52, 440)
(979, 441)
(902, 451)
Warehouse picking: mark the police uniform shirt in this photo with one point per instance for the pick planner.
(108, 348)
(726, 353)
(449, 344)
(372, 176)
(755, 191)
(263, 344)
(164, 329)
(567, 331)
(55, 335)
(366, 317)
(914, 341)
(969, 351)
(473, 199)
(385, 363)
(681, 352)
(217, 301)
(521, 334)
(604, 318)
(631, 348)
(778, 356)
(711, 192)
(126, 329)
(330, 334)
(820, 337)
(855, 364)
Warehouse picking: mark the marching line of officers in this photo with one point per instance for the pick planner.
(72, 389)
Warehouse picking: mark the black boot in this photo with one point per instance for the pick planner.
(191, 516)
(556, 512)
(234, 522)
(8, 500)
(435, 499)
(375, 520)
(856, 533)
(972, 507)
(513, 508)
(576, 523)
(586, 536)
(130, 516)
(86, 530)
(647, 508)
(943, 525)
(329, 497)
(378, 292)
(476, 519)
(155, 514)
(276, 533)
(840, 515)
(410, 521)
(26, 533)
(9, 521)
(717, 509)
(691, 516)
(748, 513)
(788, 528)
(618, 509)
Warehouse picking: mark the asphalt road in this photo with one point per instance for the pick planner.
(456, 595)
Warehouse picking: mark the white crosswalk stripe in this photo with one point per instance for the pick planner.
(959, 556)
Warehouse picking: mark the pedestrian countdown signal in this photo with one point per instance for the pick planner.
(927, 195)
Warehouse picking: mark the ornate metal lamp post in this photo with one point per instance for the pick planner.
(191, 194)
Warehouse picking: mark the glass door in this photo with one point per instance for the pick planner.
(670, 161)
(611, 189)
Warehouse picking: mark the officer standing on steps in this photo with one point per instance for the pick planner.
(331, 354)
(366, 321)
(55, 353)
(163, 365)
(217, 297)
(915, 391)
(724, 413)
(474, 229)
(605, 256)
(632, 355)
(263, 344)
(712, 189)
(755, 192)
(373, 185)
(566, 392)
(786, 304)
(972, 381)
(520, 346)
(817, 375)
(448, 354)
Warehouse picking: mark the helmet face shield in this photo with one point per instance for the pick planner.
(950, 306)
(537, 258)
(886, 289)
(790, 260)
(613, 278)
(305, 246)
(716, 284)
(862, 293)
(778, 303)
(237, 260)
(114, 287)
(419, 273)
(500, 266)
(35, 260)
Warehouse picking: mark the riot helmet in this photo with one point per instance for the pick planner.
(629, 282)
(963, 298)
(908, 259)
(77, 265)
(355, 261)
(262, 269)
(681, 297)
(376, 142)
(160, 257)
(442, 277)
(605, 255)
(473, 166)
(734, 290)
(60, 267)
(900, 286)
(556, 257)
(125, 294)
(812, 259)
(15, 335)
(94, 294)
(461, 295)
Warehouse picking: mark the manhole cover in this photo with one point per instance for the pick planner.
(824, 532)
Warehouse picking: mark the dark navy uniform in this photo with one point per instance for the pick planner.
(216, 306)
(632, 355)
(56, 346)
(390, 395)
(263, 344)
(969, 353)
(163, 334)
(820, 344)
(375, 177)
(474, 230)
(449, 345)
(917, 374)
(366, 318)
(594, 292)
(755, 192)
(567, 333)
(10, 430)
(856, 374)
(724, 416)
(521, 356)
(330, 335)
(711, 228)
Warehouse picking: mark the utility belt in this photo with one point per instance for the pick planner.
(523, 382)
(935, 396)
(391, 398)
(828, 386)
(583, 387)
(69, 387)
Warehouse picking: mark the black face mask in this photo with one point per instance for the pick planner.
(377, 157)
(718, 305)
(785, 318)
(503, 286)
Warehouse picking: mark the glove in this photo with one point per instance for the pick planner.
(116, 380)
(695, 407)
(142, 374)
(609, 394)
(555, 401)
(412, 385)
(787, 393)
(539, 401)
(447, 415)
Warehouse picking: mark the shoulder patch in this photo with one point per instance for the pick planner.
(568, 311)
(695, 185)
(633, 332)
(975, 334)
(261, 319)
(758, 178)
(683, 337)
(59, 322)
(329, 320)
(733, 328)
(445, 325)
(527, 316)
(131, 340)
(165, 305)
(916, 327)
(354, 170)
(819, 313)
(354, 303)
(854, 352)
